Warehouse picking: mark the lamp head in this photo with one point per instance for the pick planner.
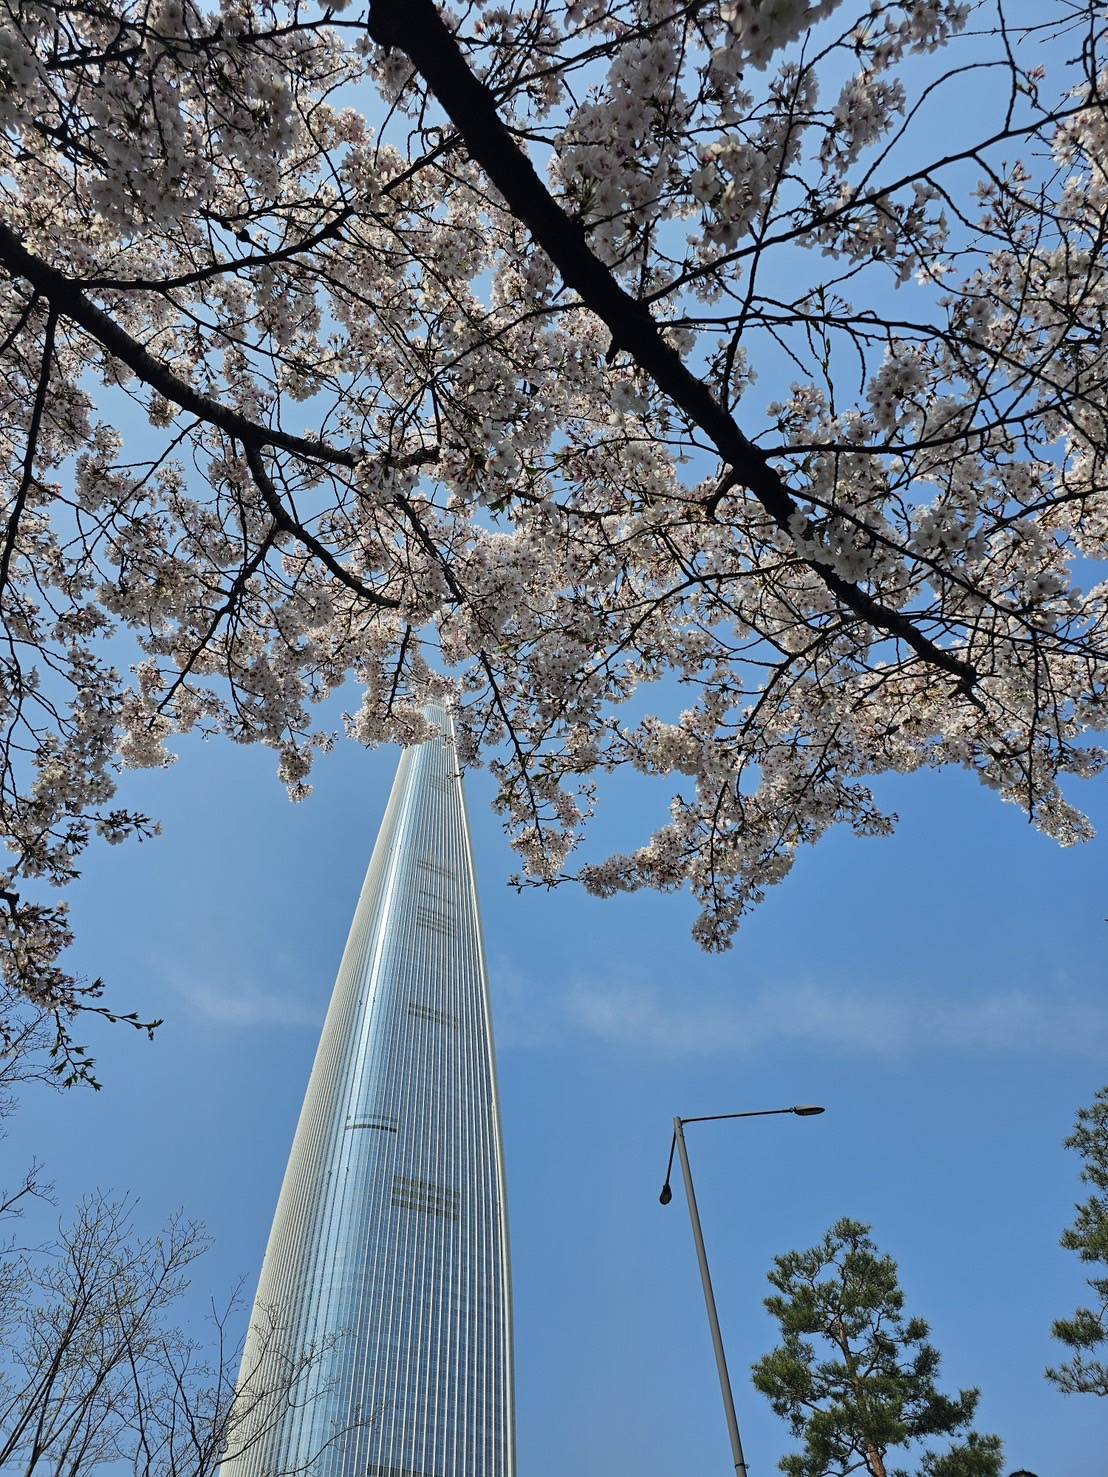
(667, 1194)
(808, 1112)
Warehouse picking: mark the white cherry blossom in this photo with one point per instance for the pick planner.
(537, 359)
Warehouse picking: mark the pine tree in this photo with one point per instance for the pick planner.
(1087, 1330)
(854, 1377)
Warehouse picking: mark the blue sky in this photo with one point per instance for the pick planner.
(941, 992)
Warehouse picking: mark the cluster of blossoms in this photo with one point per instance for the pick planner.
(443, 402)
(760, 28)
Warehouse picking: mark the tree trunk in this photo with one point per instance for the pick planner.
(875, 1459)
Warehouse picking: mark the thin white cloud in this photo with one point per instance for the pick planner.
(238, 1004)
(888, 1022)
(871, 1022)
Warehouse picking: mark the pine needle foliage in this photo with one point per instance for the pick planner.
(1087, 1330)
(855, 1377)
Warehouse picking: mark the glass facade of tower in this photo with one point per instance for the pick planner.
(384, 1299)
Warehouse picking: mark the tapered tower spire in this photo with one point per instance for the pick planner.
(380, 1342)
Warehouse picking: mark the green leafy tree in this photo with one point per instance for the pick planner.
(855, 1378)
(1087, 1330)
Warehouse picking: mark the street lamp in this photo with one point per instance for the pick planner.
(678, 1144)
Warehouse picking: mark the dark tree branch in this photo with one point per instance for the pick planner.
(416, 27)
(288, 524)
(11, 532)
(328, 232)
(67, 300)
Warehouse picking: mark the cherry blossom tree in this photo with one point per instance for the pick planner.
(527, 355)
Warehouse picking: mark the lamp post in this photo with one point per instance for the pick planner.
(678, 1144)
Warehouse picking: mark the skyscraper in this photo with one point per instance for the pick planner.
(380, 1342)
